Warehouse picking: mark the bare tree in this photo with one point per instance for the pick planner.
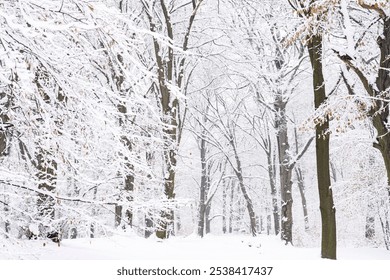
(170, 68)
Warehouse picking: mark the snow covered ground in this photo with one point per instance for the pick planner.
(211, 247)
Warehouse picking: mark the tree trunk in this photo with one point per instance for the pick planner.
(249, 204)
(370, 227)
(301, 184)
(301, 188)
(47, 175)
(231, 210)
(118, 215)
(4, 151)
(4, 147)
(149, 225)
(207, 218)
(272, 179)
(165, 225)
(268, 224)
(328, 211)
(208, 203)
(203, 185)
(381, 115)
(224, 207)
(92, 227)
(285, 169)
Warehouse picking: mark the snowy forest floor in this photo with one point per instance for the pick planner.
(228, 247)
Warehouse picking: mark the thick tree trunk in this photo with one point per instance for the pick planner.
(381, 114)
(118, 215)
(285, 169)
(47, 174)
(328, 211)
(166, 220)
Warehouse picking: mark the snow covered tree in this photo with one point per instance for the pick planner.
(312, 12)
(170, 66)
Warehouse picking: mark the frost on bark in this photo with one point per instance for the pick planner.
(46, 163)
(170, 67)
(128, 177)
(203, 187)
(4, 151)
(285, 169)
(379, 89)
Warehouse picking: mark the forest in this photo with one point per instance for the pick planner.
(173, 118)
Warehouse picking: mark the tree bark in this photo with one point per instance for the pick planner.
(202, 191)
(208, 203)
(231, 208)
(285, 169)
(381, 114)
(301, 184)
(328, 211)
(301, 187)
(249, 204)
(272, 179)
(47, 174)
(224, 207)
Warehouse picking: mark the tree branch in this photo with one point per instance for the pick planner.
(375, 7)
(349, 62)
(291, 165)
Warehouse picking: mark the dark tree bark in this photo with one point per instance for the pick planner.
(128, 176)
(149, 225)
(45, 164)
(381, 111)
(285, 168)
(170, 72)
(327, 208)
